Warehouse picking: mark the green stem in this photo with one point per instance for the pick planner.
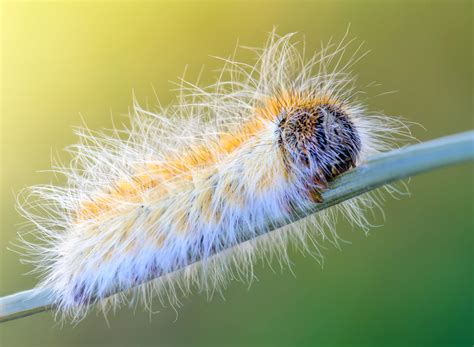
(383, 169)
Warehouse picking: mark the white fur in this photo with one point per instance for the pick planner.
(67, 258)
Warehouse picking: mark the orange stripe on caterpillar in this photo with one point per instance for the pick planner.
(198, 156)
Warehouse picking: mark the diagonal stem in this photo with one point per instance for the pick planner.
(383, 169)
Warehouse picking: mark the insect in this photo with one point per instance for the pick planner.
(163, 206)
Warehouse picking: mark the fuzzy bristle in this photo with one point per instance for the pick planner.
(163, 207)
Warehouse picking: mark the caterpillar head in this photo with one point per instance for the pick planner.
(318, 141)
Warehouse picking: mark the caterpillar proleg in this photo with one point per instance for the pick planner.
(186, 184)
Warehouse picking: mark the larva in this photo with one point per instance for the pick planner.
(185, 184)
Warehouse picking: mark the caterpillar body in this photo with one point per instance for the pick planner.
(163, 206)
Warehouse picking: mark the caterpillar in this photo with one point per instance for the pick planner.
(161, 207)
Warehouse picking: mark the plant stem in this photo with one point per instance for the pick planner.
(383, 169)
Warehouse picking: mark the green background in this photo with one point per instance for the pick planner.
(410, 282)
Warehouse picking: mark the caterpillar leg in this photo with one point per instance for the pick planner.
(314, 191)
(315, 195)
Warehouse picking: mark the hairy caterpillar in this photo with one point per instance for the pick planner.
(185, 184)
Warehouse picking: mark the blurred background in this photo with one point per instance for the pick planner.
(410, 282)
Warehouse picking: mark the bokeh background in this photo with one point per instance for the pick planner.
(410, 282)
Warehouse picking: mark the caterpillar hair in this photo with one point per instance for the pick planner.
(161, 207)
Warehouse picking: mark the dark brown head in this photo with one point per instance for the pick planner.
(320, 141)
